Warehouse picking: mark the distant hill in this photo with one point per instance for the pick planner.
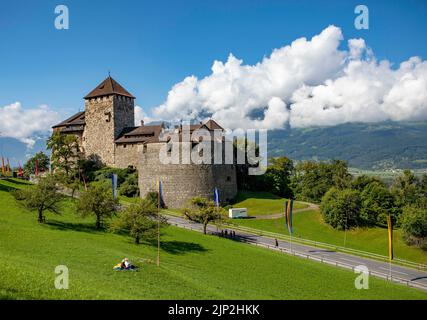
(375, 146)
(17, 151)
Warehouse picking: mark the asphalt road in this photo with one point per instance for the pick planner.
(408, 276)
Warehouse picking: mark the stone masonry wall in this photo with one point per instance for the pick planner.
(105, 118)
(181, 182)
(127, 155)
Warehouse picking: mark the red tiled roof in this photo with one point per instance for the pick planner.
(107, 87)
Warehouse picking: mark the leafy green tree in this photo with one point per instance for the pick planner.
(42, 197)
(340, 175)
(278, 176)
(129, 187)
(360, 182)
(153, 197)
(313, 180)
(203, 211)
(405, 189)
(423, 191)
(341, 208)
(377, 204)
(30, 165)
(140, 220)
(88, 168)
(414, 226)
(65, 151)
(245, 149)
(98, 201)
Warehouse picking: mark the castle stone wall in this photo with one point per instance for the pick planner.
(128, 155)
(105, 118)
(181, 182)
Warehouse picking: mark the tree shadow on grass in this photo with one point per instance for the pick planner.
(179, 247)
(73, 226)
(17, 181)
(7, 188)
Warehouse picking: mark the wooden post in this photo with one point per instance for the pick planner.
(158, 226)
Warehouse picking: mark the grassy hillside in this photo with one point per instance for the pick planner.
(193, 266)
(310, 225)
(262, 203)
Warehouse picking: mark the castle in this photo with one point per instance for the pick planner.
(106, 129)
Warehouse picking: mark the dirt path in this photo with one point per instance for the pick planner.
(311, 206)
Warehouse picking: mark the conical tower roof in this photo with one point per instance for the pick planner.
(108, 87)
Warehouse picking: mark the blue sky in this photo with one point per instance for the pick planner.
(151, 45)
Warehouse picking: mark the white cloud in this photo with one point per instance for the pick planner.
(307, 83)
(141, 115)
(26, 125)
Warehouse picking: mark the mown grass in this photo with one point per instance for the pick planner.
(193, 266)
(310, 225)
(262, 203)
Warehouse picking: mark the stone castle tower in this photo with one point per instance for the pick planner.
(106, 129)
(109, 108)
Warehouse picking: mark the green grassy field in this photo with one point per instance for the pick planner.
(310, 225)
(262, 203)
(193, 266)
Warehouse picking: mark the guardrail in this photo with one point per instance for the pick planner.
(356, 252)
(384, 276)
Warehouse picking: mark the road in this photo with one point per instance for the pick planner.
(408, 276)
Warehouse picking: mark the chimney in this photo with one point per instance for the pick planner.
(142, 122)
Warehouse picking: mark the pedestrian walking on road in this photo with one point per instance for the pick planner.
(276, 242)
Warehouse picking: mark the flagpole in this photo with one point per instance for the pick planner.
(390, 245)
(158, 226)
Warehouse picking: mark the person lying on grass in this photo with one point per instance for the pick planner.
(124, 265)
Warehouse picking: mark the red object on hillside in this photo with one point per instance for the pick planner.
(21, 173)
(37, 167)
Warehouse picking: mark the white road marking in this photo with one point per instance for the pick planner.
(349, 260)
(395, 271)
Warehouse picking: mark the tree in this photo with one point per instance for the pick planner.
(97, 200)
(360, 182)
(43, 197)
(246, 149)
(414, 226)
(312, 180)
(405, 189)
(423, 191)
(377, 203)
(65, 151)
(43, 163)
(204, 211)
(129, 187)
(278, 176)
(340, 175)
(140, 220)
(340, 208)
